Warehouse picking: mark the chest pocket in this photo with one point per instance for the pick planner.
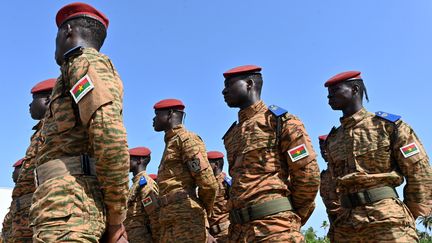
(372, 151)
(339, 159)
(61, 115)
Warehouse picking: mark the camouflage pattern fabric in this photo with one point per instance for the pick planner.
(329, 198)
(220, 214)
(262, 171)
(7, 223)
(93, 126)
(24, 188)
(184, 167)
(365, 152)
(143, 225)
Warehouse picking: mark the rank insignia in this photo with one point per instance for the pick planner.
(147, 201)
(409, 150)
(388, 116)
(228, 180)
(81, 88)
(194, 165)
(277, 111)
(298, 152)
(142, 181)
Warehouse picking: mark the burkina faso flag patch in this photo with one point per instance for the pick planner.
(298, 152)
(410, 150)
(147, 201)
(81, 88)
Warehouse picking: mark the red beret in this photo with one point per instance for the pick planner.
(75, 10)
(322, 137)
(169, 103)
(153, 176)
(46, 85)
(242, 70)
(18, 163)
(139, 151)
(345, 76)
(214, 155)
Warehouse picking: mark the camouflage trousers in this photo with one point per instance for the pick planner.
(388, 220)
(21, 230)
(183, 221)
(280, 227)
(68, 208)
(139, 234)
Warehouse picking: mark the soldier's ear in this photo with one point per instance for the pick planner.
(355, 89)
(250, 83)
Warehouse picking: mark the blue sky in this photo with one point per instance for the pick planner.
(180, 48)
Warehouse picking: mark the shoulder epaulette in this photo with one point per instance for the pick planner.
(228, 180)
(142, 181)
(277, 111)
(387, 116)
(73, 52)
(333, 130)
(229, 129)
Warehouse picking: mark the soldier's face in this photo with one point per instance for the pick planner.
(39, 105)
(236, 92)
(60, 46)
(133, 163)
(340, 96)
(161, 120)
(323, 150)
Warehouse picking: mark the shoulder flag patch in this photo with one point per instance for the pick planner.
(228, 180)
(277, 111)
(409, 150)
(147, 201)
(81, 88)
(142, 181)
(298, 152)
(387, 116)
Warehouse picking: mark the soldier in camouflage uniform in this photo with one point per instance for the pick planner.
(83, 163)
(24, 188)
(219, 220)
(368, 156)
(7, 221)
(183, 168)
(326, 188)
(275, 176)
(142, 220)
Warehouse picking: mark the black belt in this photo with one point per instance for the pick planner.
(260, 210)
(352, 200)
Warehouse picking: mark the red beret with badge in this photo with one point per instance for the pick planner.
(342, 77)
(169, 103)
(18, 163)
(76, 10)
(215, 155)
(241, 70)
(322, 137)
(139, 151)
(44, 86)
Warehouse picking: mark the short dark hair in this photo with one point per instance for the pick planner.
(93, 31)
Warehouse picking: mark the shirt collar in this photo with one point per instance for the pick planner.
(245, 114)
(172, 132)
(354, 119)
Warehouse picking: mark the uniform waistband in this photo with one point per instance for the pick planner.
(260, 210)
(76, 165)
(352, 200)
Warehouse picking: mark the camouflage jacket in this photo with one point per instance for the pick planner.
(85, 116)
(263, 170)
(367, 151)
(220, 208)
(184, 166)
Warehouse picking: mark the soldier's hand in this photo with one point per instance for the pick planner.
(115, 234)
(210, 238)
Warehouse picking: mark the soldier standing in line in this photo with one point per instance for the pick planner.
(7, 221)
(219, 220)
(24, 188)
(368, 156)
(183, 168)
(275, 176)
(329, 197)
(142, 220)
(83, 163)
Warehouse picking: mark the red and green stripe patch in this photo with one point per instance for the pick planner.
(81, 88)
(147, 201)
(298, 152)
(409, 150)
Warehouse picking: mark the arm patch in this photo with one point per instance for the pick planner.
(387, 116)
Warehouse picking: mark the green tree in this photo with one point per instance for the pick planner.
(426, 222)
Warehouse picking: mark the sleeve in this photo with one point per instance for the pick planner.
(107, 135)
(194, 154)
(413, 162)
(152, 209)
(329, 196)
(303, 168)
